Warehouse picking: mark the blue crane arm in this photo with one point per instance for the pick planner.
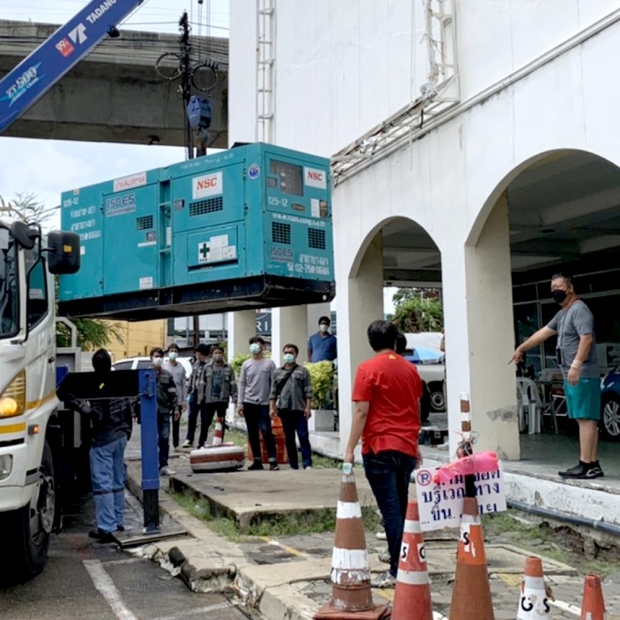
(36, 74)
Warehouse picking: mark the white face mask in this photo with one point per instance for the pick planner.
(288, 358)
(172, 356)
(218, 357)
(324, 328)
(157, 361)
(255, 349)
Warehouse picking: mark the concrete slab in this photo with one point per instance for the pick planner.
(249, 496)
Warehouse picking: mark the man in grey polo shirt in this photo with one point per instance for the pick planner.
(254, 390)
(576, 353)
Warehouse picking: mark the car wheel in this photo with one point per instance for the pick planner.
(437, 398)
(610, 418)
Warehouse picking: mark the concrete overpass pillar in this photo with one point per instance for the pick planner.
(241, 327)
(360, 303)
(480, 337)
(289, 325)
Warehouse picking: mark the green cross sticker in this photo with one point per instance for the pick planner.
(203, 252)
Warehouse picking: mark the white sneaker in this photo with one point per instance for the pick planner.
(187, 444)
(384, 581)
(309, 467)
(167, 471)
(381, 536)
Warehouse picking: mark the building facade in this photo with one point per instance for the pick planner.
(474, 146)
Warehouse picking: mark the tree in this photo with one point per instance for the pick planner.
(417, 310)
(91, 333)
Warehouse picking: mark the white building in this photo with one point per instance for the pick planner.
(476, 144)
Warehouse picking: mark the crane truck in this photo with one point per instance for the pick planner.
(32, 434)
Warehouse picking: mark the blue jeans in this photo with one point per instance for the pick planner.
(389, 475)
(296, 422)
(163, 435)
(257, 418)
(107, 469)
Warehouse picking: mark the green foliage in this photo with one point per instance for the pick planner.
(91, 334)
(322, 375)
(417, 310)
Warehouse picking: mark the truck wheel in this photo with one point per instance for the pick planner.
(30, 527)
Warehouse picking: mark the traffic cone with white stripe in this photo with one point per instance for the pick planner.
(593, 607)
(412, 597)
(535, 594)
(471, 597)
(351, 593)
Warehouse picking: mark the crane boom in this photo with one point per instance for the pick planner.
(36, 74)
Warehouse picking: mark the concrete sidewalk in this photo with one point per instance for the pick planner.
(288, 577)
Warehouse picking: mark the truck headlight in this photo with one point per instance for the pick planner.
(13, 397)
(6, 466)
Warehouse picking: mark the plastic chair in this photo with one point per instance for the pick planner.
(530, 404)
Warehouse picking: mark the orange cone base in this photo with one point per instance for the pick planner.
(329, 612)
(471, 597)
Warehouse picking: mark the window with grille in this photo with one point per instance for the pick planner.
(316, 239)
(144, 223)
(202, 207)
(281, 233)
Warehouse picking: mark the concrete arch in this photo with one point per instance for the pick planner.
(375, 230)
(529, 162)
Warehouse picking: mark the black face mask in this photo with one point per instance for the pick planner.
(560, 296)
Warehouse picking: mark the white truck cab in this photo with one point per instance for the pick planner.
(28, 403)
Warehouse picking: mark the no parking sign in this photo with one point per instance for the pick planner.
(441, 505)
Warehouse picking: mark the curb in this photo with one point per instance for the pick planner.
(200, 562)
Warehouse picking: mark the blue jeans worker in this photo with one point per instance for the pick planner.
(255, 382)
(386, 392)
(291, 399)
(576, 357)
(110, 424)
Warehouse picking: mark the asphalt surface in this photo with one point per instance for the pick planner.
(85, 580)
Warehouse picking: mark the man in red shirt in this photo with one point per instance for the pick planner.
(387, 418)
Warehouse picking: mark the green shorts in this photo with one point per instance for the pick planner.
(583, 400)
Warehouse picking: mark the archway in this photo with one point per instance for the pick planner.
(558, 212)
(396, 253)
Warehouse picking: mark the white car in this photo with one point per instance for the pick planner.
(142, 363)
(431, 367)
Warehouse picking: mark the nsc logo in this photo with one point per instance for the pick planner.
(253, 172)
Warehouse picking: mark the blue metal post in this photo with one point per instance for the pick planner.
(150, 460)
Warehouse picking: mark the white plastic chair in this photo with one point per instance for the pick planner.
(530, 403)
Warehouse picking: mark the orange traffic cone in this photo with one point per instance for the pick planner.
(593, 607)
(412, 598)
(351, 593)
(535, 594)
(471, 597)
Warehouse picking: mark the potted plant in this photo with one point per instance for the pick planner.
(322, 376)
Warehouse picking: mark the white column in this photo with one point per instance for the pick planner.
(241, 327)
(289, 325)
(480, 337)
(360, 302)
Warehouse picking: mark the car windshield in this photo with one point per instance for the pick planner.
(9, 293)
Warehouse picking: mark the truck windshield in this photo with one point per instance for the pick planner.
(9, 292)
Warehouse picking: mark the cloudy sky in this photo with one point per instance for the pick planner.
(47, 168)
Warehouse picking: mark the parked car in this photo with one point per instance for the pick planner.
(142, 363)
(423, 351)
(610, 405)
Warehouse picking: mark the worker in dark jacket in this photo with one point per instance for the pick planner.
(167, 407)
(195, 384)
(291, 397)
(110, 424)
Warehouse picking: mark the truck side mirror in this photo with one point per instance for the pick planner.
(63, 252)
(24, 235)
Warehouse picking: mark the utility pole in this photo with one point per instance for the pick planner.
(186, 87)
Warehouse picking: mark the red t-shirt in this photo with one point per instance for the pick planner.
(392, 386)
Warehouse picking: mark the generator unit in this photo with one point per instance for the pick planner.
(245, 228)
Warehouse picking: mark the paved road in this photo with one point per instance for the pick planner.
(89, 581)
